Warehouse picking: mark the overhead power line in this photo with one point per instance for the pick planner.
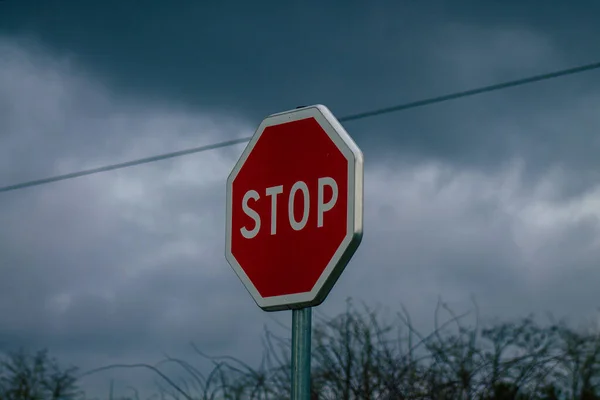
(473, 92)
(351, 117)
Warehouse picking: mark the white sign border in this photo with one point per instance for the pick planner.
(354, 229)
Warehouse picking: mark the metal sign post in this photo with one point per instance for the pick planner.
(301, 343)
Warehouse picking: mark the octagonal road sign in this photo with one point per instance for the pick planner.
(294, 208)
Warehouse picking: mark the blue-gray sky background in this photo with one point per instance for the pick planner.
(495, 196)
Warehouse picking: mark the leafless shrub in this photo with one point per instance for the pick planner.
(25, 376)
(361, 354)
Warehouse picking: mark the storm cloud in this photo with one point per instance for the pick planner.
(494, 197)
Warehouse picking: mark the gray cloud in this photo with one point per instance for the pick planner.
(353, 58)
(126, 265)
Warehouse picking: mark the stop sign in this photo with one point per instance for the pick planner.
(294, 208)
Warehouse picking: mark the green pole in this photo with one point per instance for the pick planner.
(301, 332)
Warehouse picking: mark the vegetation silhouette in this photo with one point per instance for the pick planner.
(368, 353)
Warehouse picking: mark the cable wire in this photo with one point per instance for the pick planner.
(351, 117)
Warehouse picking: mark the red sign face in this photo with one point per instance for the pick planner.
(294, 208)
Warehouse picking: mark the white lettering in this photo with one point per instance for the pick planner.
(293, 223)
(249, 234)
(322, 207)
(273, 192)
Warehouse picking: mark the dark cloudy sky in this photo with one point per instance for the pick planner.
(495, 196)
